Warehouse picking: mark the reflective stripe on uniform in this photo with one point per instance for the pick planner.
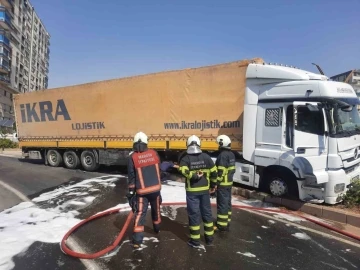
(213, 169)
(209, 228)
(138, 216)
(139, 229)
(224, 178)
(195, 237)
(141, 179)
(195, 232)
(149, 189)
(222, 220)
(158, 221)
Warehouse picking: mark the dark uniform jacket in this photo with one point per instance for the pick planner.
(190, 164)
(225, 164)
(143, 170)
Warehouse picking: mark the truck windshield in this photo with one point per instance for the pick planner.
(344, 117)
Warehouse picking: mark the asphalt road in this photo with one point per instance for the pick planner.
(255, 242)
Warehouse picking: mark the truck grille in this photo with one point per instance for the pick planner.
(351, 169)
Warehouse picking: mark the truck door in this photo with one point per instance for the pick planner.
(310, 140)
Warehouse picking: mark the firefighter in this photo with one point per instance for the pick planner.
(144, 186)
(225, 164)
(200, 173)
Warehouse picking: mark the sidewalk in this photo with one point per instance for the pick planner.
(16, 153)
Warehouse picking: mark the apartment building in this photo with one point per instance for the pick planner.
(24, 54)
(351, 77)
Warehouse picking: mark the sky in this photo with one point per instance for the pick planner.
(99, 40)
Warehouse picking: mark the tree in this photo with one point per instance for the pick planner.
(3, 132)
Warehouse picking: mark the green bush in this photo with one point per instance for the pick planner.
(352, 196)
(6, 143)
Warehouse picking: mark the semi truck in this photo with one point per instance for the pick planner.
(293, 131)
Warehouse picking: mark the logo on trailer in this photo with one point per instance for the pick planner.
(44, 111)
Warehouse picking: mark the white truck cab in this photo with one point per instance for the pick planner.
(301, 134)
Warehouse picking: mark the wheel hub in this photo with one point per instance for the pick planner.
(70, 159)
(278, 187)
(53, 158)
(88, 160)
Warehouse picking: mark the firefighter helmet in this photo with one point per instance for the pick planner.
(140, 137)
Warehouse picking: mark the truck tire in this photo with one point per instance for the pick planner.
(71, 160)
(88, 161)
(54, 158)
(282, 184)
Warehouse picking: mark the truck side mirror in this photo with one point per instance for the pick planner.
(312, 108)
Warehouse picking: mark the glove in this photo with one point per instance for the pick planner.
(213, 192)
(132, 201)
(164, 166)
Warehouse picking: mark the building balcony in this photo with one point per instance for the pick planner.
(5, 19)
(4, 80)
(8, 4)
(4, 39)
(4, 69)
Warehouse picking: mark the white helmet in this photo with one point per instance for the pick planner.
(193, 139)
(224, 141)
(140, 137)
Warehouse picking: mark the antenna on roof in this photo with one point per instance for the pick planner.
(319, 68)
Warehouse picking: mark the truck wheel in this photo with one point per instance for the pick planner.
(54, 158)
(88, 161)
(282, 184)
(277, 186)
(71, 160)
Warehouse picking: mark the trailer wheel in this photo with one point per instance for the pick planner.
(88, 161)
(71, 160)
(54, 158)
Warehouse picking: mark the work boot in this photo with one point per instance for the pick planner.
(220, 228)
(136, 246)
(156, 228)
(193, 243)
(209, 241)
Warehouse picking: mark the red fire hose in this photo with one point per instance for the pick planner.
(128, 220)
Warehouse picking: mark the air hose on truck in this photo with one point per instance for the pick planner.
(118, 239)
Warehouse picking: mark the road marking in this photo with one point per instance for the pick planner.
(74, 244)
(15, 191)
(305, 228)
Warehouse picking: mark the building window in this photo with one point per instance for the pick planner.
(5, 63)
(4, 39)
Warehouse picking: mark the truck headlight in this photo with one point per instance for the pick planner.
(339, 188)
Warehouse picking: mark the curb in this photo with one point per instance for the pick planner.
(320, 211)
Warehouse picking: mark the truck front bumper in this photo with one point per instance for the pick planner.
(338, 184)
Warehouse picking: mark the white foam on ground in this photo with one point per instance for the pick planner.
(271, 221)
(170, 211)
(264, 227)
(61, 191)
(114, 251)
(302, 236)
(247, 254)
(290, 218)
(26, 223)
